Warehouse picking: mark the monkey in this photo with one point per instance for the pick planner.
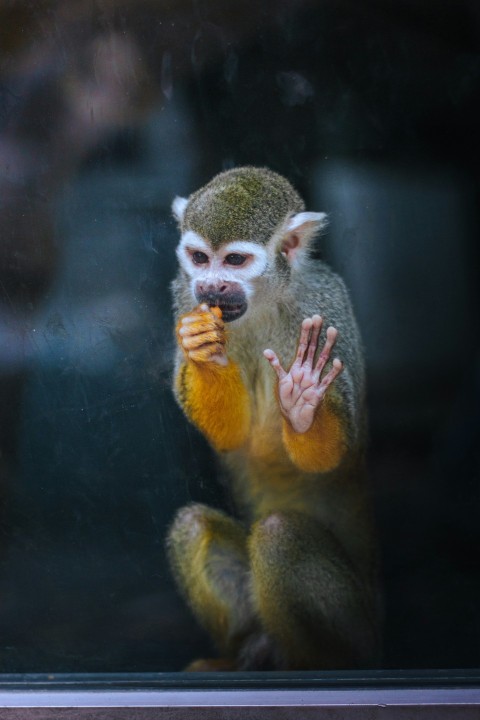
(269, 367)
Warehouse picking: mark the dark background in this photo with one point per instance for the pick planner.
(107, 111)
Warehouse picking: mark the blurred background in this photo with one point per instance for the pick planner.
(108, 109)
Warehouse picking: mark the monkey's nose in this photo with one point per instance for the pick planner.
(212, 290)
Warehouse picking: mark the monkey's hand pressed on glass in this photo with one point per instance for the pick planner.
(302, 388)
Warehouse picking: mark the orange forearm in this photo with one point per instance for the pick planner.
(322, 447)
(215, 399)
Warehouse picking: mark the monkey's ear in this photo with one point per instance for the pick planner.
(299, 231)
(178, 207)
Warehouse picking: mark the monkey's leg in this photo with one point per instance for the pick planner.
(308, 596)
(209, 557)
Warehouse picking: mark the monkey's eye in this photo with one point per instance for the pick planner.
(199, 258)
(235, 259)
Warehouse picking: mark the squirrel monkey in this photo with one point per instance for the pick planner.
(291, 583)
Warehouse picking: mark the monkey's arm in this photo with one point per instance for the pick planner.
(323, 446)
(314, 430)
(208, 386)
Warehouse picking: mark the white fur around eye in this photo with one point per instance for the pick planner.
(191, 240)
(258, 261)
(216, 270)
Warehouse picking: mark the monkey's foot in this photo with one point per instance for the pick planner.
(211, 665)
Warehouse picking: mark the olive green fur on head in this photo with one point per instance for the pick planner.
(246, 203)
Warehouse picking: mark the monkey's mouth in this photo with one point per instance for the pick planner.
(231, 311)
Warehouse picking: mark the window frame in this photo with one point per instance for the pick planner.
(383, 695)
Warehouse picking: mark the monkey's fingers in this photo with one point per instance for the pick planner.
(199, 322)
(201, 316)
(214, 310)
(303, 341)
(324, 356)
(337, 367)
(317, 323)
(275, 363)
(192, 342)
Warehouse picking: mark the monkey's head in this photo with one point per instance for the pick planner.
(245, 230)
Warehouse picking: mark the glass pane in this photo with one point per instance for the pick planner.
(108, 111)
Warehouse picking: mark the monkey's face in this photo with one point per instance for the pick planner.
(224, 277)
